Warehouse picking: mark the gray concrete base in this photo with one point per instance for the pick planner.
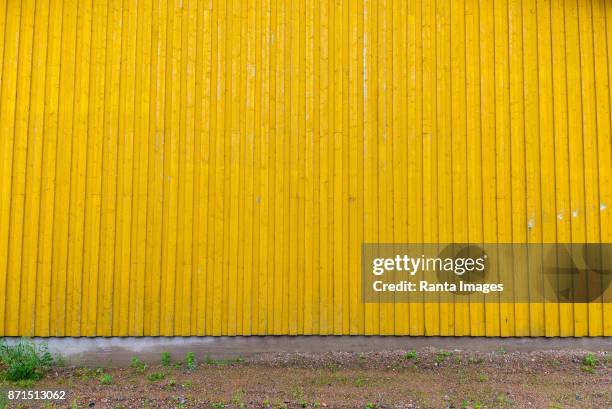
(119, 350)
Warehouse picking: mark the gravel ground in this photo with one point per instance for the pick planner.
(424, 378)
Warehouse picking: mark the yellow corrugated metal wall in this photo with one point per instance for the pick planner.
(205, 167)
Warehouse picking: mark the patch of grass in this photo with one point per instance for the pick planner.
(106, 379)
(166, 359)
(588, 369)
(370, 405)
(590, 360)
(475, 360)
(501, 351)
(187, 384)
(362, 357)
(137, 365)
(556, 406)
(156, 376)
(237, 398)
(477, 405)
(298, 394)
(482, 378)
(25, 383)
(359, 382)
(330, 379)
(217, 405)
(190, 361)
(442, 356)
(464, 404)
(25, 360)
(504, 401)
(410, 355)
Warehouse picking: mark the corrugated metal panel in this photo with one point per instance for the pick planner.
(207, 167)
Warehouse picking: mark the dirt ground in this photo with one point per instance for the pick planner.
(424, 378)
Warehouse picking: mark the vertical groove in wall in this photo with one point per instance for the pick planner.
(211, 167)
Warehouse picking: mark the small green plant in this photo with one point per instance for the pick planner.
(503, 400)
(477, 405)
(362, 357)
(359, 382)
(370, 405)
(156, 376)
(482, 378)
(74, 404)
(501, 351)
(25, 383)
(25, 360)
(106, 379)
(410, 355)
(237, 398)
(298, 394)
(190, 361)
(464, 404)
(556, 406)
(187, 384)
(442, 356)
(218, 405)
(475, 360)
(137, 365)
(588, 369)
(166, 359)
(590, 360)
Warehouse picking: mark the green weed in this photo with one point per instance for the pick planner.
(504, 401)
(106, 379)
(156, 376)
(298, 394)
(137, 365)
(166, 359)
(359, 382)
(25, 360)
(442, 356)
(237, 398)
(590, 360)
(190, 361)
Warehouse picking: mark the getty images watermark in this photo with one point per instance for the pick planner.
(460, 272)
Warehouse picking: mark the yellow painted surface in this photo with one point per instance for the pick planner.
(208, 167)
